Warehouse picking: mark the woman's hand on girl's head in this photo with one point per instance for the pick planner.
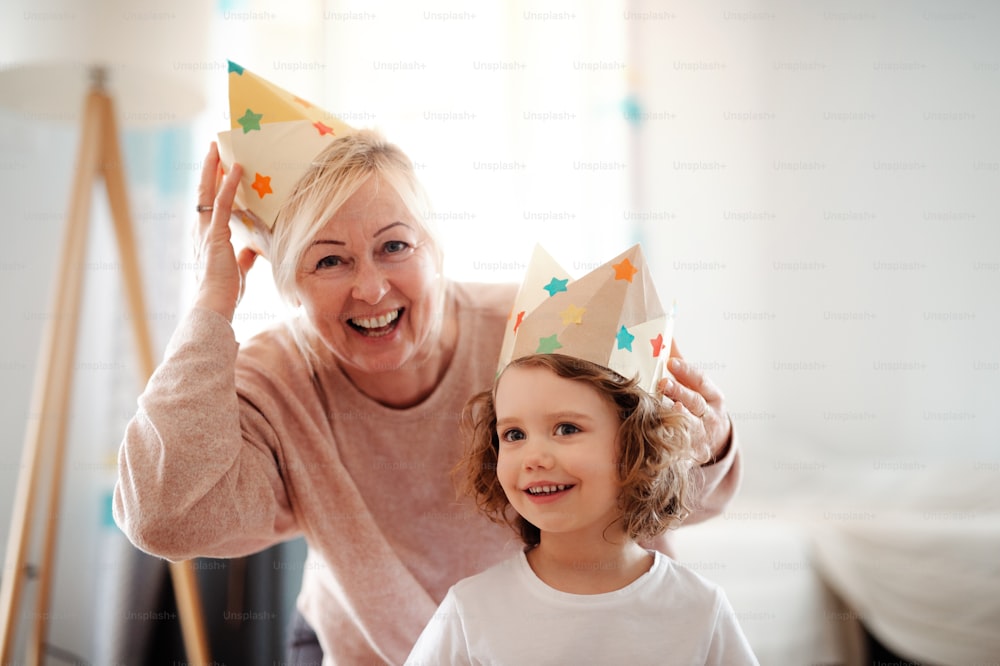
(694, 394)
(221, 272)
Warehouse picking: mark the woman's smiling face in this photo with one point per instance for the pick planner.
(370, 282)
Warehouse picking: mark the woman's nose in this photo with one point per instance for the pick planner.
(370, 284)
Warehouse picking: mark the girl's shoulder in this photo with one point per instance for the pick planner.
(684, 581)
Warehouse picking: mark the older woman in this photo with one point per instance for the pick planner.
(342, 424)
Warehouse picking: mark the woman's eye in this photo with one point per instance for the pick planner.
(512, 435)
(566, 429)
(395, 246)
(329, 262)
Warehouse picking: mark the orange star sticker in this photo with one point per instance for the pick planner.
(262, 184)
(657, 343)
(520, 318)
(625, 270)
(323, 129)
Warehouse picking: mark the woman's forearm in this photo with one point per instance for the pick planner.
(191, 482)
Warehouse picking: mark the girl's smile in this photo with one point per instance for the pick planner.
(544, 492)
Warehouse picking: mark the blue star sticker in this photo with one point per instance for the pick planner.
(625, 339)
(555, 286)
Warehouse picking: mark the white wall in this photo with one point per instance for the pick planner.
(821, 180)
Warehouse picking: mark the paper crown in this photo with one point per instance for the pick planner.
(610, 316)
(274, 135)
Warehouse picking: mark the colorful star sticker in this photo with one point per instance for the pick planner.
(657, 343)
(548, 345)
(520, 318)
(624, 339)
(234, 68)
(572, 315)
(625, 270)
(323, 129)
(555, 286)
(250, 121)
(262, 184)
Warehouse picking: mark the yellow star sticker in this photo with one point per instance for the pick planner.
(572, 315)
(625, 270)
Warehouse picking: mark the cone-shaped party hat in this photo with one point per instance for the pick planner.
(274, 135)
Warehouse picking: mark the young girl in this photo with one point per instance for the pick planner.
(591, 465)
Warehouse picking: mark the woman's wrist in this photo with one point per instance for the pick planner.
(723, 450)
(216, 303)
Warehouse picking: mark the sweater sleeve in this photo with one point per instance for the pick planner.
(197, 471)
(718, 484)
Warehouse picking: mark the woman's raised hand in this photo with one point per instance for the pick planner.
(693, 394)
(222, 272)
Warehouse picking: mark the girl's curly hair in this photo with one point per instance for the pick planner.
(656, 462)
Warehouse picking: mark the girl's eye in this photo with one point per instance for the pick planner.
(566, 429)
(329, 261)
(512, 435)
(395, 246)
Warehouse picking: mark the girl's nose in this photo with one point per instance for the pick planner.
(537, 455)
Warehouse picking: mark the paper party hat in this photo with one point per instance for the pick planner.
(611, 317)
(274, 135)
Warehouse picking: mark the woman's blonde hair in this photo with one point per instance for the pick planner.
(335, 175)
(655, 463)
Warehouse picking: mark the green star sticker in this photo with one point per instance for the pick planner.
(250, 121)
(233, 67)
(548, 345)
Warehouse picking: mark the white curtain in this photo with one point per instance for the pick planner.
(514, 113)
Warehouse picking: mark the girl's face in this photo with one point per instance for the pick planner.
(558, 455)
(369, 282)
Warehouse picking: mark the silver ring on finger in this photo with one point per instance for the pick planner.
(203, 209)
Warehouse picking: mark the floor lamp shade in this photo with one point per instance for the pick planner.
(152, 53)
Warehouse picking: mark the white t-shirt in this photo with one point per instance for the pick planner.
(506, 615)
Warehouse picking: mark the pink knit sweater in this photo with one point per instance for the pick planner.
(236, 448)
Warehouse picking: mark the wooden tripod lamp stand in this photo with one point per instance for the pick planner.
(106, 40)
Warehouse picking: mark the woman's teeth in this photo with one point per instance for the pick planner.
(376, 322)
